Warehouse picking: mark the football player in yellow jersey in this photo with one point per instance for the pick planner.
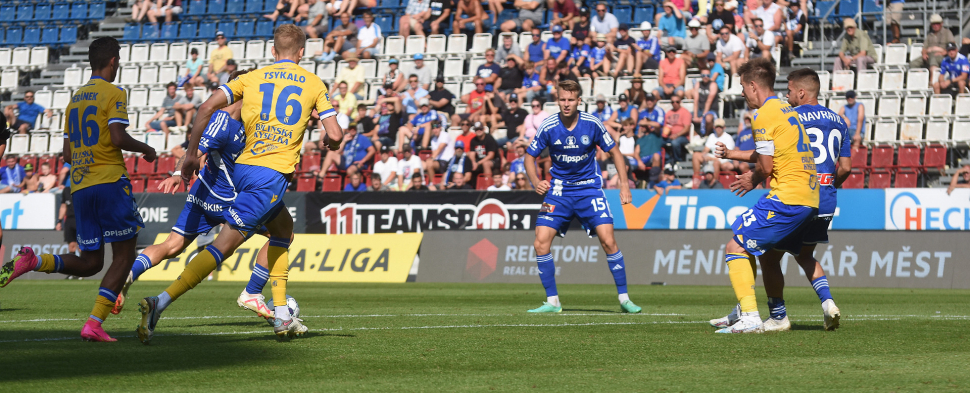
(278, 102)
(94, 136)
(783, 157)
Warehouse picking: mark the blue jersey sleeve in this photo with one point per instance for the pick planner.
(539, 142)
(603, 137)
(216, 135)
(846, 149)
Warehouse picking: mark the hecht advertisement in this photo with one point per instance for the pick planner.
(927, 209)
(31, 211)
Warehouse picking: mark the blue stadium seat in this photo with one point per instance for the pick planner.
(32, 36)
(169, 31)
(229, 28)
(216, 7)
(8, 14)
(869, 7)
(623, 13)
(391, 4)
(149, 32)
(244, 29)
(235, 7)
(187, 30)
(14, 36)
(61, 12)
(264, 29)
(269, 6)
(79, 11)
(386, 22)
(644, 12)
(822, 8)
(131, 33)
(48, 36)
(195, 8)
(68, 35)
(25, 13)
(848, 8)
(254, 7)
(42, 13)
(207, 31)
(96, 12)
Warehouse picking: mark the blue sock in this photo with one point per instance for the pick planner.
(142, 263)
(618, 268)
(547, 273)
(777, 308)
(258, 280)
(215, 254)
(821, 286)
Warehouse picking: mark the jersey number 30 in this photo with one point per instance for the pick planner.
(283, 103)
(83, 129)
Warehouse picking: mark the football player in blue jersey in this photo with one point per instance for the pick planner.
(575, 190)
(830, 143)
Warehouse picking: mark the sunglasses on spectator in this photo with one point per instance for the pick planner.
(674, 101)
(759, 25)
(479, 84)
(705, 75)
(466, 124)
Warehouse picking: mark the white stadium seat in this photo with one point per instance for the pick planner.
(481, 42)
(457, 44)
(603, 85)
(824, 79)
(938, 129)
(168, 73)
(156, 140)
(128, 75)
(139, 54)
(138, 98)
(313, 45)
(44, 98)
(437, 44)
(454, 67)
(962, 105)
(869, 103)
(885, 131)
(414, 44)
(21, 57)
(911, 130)
(237, 47)
(39, 56)
(868, 80)
(158, 53)
(940, 105)
(843, 80)
(394, 45)
(915, 105)
(895, 55)
(62, 98)
(255, 49)
(148, 76)
(124, 53)
(889, 105)
(474, 63)
(72, 76)
(178, 52)
(892, 80)
(39, 142)
(327, 70)
(18, 144)
(917, 79)
(961, 130)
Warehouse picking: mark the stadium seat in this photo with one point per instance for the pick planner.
(882, 157)
(137, 183)
(386, 22)
(166, 165)
(940, 105)
(25, 13)
(144, 167)
(911, 130)
(79, 11)
(856, 179)
(68, 35)
(914, 105)
(254, 7)
(880, 178)
(868, 80)
(934, 156)
(235, 7)
(860, 157)
(938, 129)
(306, 184)
(229, 28)
(207, 32)
(245, 28)
(414, 44)
(332, 183)
(962, 106)
(153, 182)
(14, 36)
(196, 8)
(42, 13)
(264, 29)
(8, 14)
(843, 80)
(169, 31)
(644, 12)
(215, 8)
(481, 42)
(32, 36)
(61, 11)
(48, 36)
(917, 79)
(895, 54)
(482, 182)
(889, 105)
(623, 13)
(28, 159)
(187, 31)
(310, 161)
(130, 163)
(96, 11)
(906, 178)
(907, 156)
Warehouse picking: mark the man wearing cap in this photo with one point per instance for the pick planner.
(352, 75)
(600, 56)
(441, 98)
(603, 111)
(626, 47)
(557, 46)
(760, 41)
(418, 128)
(394, 79)
(672, 74)
(648, 53)
(717, 72)
(581, 27)
(857, 48)
(425, 74)
(652, 117)
(706, 155)
(510, 78)
(729, 50)
(484, 153)
(710, 180)
(411, 96)
(31, 180)
(671, 24)
(218, 58)
(934, 45)
(696, 45)
(414, 16)
(387, 168)
(344, 37)
(512, 119)
(565, 14)
(854, 114)
(604, 23)
(626, 111)
(953, 72)
(669, 182)
(470, 17)
(579, 56)
(531, 13)
(458, 170)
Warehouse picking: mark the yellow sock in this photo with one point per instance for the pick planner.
(49, 263)
(200, 267)
(279, 266)
(742, 279)
(103, 304)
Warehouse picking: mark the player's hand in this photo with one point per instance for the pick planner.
(57, 227)
(720, 151)
(190, 167)
(330, 144)
(743, 184)
(150, 155)
(542, 187)
(170, 185)
(625, 197)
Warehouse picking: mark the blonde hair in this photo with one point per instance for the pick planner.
(288, 40)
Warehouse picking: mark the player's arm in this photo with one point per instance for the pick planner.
(620, 161)
(530, 170)
(843, 170)
(121, 139)
(722, 151)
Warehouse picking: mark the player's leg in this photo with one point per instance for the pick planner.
(547, 268)
(151, 257)
(742, 270)
(251, 297)
(774, 280)
(277, 258)
(123, 255)
(817, 232)
(614, 259)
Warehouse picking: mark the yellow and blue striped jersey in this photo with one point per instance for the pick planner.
(778, 133)
(94, 159)
(281, 98)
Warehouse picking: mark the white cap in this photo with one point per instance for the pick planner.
(694, 23)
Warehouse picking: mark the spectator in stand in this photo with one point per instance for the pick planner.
(288, 9)
(671, 24)
(603, 111)
(352, 75)
(704, 95)
(318, 22)
(475, 101)
(460, 183)
(517, 165)
(744, 140)
(342, 119)
(498, 183)
(854, 114)
(219, 59)
(327, 54)
(441, 98)
(367, 126)
(600, 57)
(512, 118)
(418, 130)
(442, 150)
(376, 184)
(856, 48)
(672, 74)
(507, 50)
(652, 117)
(510, 78)
(12, 176)
(965, 48)
(627, 142)
(531, 14)
(895, 15)
(535, 52)
(730, 52)
(626, 47)
(31, 181)
(626, 111)
(710, 180)
(638, 96)
(650, 142)
(344, 37)
(717, 19)
(795, 23)
(532, 123)
(490, 70)
(411, 96)
(223, 76)
(389, 117)
(961, 179)
(140, 9)
(354, 155)
(677, 127)
(193, 70)
(394, 77)
(760, 41)
(425, 74)
(466, 135)
(668, 183)
(522, 182)
(604, 23)
(48, 180)
(706, 155)
(169, 11)
(369, 38)
(717, 72)
(470, 17)
(458, 170)
(438, 13)
(648, 53)
(564, 13)
(166, 117)
(581, 27)
(28, 111)
(696, 45)
(354, 183)
(557, 47)
(934, 45)
(408, 168)
(186, 107)
(484, 153)
(954, 71)
(771, 15)
(414, 17)
(386, 169)
(531, 87)
(348, 102)
(417, 183)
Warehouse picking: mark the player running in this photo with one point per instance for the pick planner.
(831, 145)
(784, 156)
(210, 196)
(577, 190)
(277, 102)
(93, 140)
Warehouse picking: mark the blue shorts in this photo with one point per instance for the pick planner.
(588, 206)
(816, 231)
(109, 214)
(771, 224)
(259, 198)
(202, 212)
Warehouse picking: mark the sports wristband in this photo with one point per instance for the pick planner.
(177, 173)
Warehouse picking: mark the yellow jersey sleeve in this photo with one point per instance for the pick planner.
(278, 101)
(94, 159)
(778, 132)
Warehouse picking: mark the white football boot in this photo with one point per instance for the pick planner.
(831, 314)
(748, 323)
(728, 320)
(777, 325)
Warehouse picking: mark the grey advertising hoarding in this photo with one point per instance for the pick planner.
(853, 259)
(42, 242)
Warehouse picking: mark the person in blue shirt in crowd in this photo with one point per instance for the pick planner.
(354, 154)
(672, 25)
(717, 71)
(460, 166)
(418, 129)
(518, 165)
(648, 53)
(954, 71)
(12, 176)
(580, 58)
(354, 183)
(603, 111)
(558, 46)
(28, 112)
(535, 52)
(626, 111)
(600, 57)
(531, 83)
(744, 140)
(668, 183)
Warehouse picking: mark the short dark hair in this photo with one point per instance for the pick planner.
(375, 176)
(102, 50)
(194, 51)
(172, 84)
(368, 13)
(361, 106)
(807, 79)
(760, 70)
(29, 91)
(757, 20)
(237, 73)
(571, 85)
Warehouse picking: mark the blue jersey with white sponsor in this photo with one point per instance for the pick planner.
(421, 120)
(555, 47)
(651, 46)
(581, 51)
(829, 139)
(603, 115)
(951, 68)
(573, 152)
(224, 138)
(530, 81)
(625, 114)
(656, 115)
(598, 54)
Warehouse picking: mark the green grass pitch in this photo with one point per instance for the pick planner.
(461, 337)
